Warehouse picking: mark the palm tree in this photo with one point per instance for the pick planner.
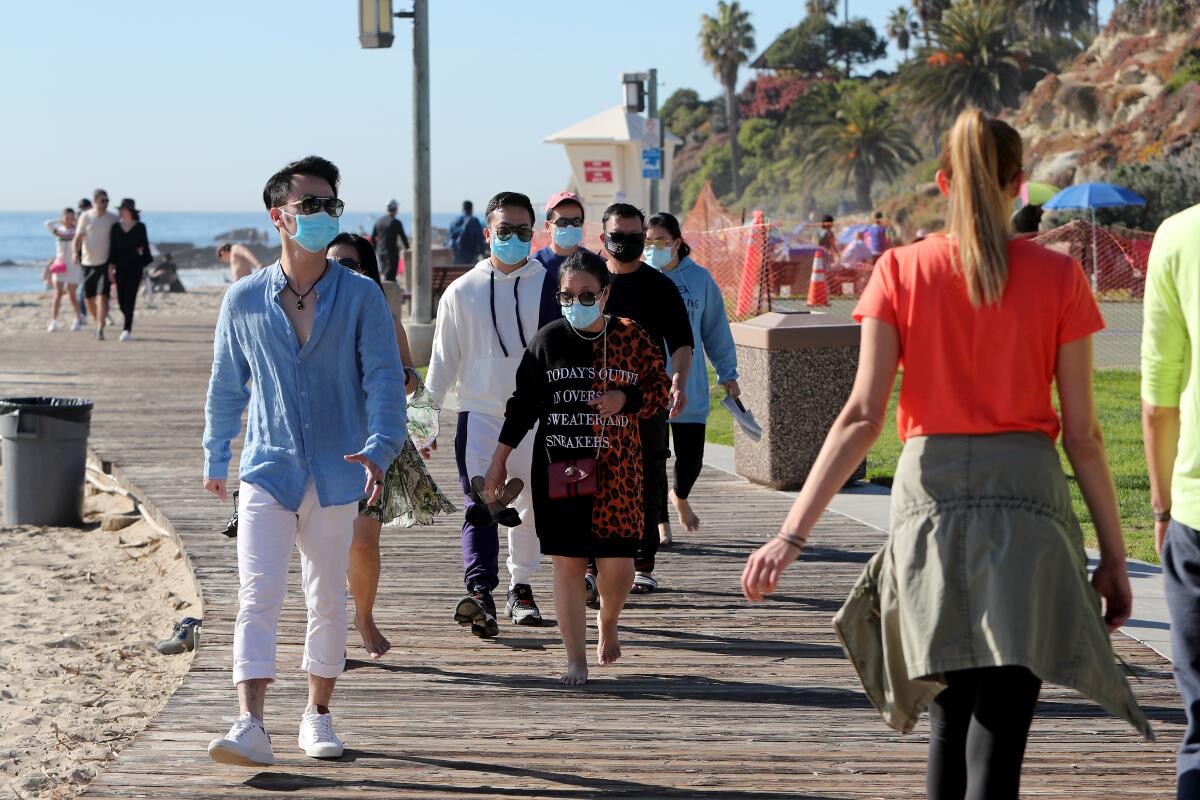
(969, 64)
(1054, 17)
(864, 142)
(727, 42)
(901, 26)
(820, 8)
(928, 12)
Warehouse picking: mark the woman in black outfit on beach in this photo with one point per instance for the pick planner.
(128, 255)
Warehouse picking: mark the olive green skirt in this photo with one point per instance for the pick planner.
(984, 567)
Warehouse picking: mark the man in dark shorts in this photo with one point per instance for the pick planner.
(387, 237)
(651, 299)
(93, 235)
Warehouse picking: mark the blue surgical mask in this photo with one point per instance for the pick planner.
(581, 316)
(513, 251)
(659, 257)
(314, 232)
(568, 237)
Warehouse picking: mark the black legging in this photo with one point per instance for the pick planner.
(128, 283)
(687, 444)
(978, 728)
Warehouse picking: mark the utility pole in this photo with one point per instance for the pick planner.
(652, 113)
(422, 286)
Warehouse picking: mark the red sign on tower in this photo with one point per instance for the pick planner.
(597, 172)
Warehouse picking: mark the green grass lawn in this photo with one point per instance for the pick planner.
(1117, 393)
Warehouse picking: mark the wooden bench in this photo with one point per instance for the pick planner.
(442, 276)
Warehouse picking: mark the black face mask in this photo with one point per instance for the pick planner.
(625, 247)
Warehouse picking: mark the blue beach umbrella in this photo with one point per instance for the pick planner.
(1091, 196)
(847, 235)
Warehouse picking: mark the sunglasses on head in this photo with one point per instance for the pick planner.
(311, 205)
(568, 222)
(506, 232)
(566, 299)
(350, 263)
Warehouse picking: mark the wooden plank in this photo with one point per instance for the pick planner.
(715, 698)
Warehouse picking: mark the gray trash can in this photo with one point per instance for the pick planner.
(44, 442)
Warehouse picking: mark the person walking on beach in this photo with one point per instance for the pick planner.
(410, 496)
(651, 299)
(879, 235)
(388, 237)
(564, 223)
(667, 252)
(83, 206)
(241, 260)
(585, 380)
(93, 240)
(981, 592)
(1170, 402)
(64, 270)
(309, 346)
(130, 254)
(465, 237)
(485, 321)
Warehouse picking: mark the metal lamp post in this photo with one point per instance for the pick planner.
(375, 31)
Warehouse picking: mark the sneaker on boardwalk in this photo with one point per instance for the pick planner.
(317, 738)
(246, 745)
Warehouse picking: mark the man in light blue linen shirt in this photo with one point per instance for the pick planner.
(310, 347)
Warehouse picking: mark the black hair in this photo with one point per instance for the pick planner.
(878, 215)
(84, 204)
(664, 220)
(1028, 219)
(99, 192)
(584, 260)
(368, 263)
(826, 218)
(512, 199)
(622, 211)
(279, 185)
(68, 210)
(468, 206)
(225, 248)
(582, 213)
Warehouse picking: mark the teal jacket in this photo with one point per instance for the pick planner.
(710, 331)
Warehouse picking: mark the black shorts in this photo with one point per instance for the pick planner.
(95, 280)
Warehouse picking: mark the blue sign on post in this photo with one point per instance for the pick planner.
(652, 158)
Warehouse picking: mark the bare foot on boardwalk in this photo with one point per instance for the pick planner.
(576, 675)
(374, 642)
(688, 517)
(664, 534)
(609, 648)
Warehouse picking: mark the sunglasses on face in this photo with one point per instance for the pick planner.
(506, 232)
(350, 263)
(566, 299)
(616, 237)
(661, 244)
(568, 222)
(311, 205)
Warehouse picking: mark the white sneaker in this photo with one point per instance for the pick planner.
(125, 336)
(52, 327)
(77, 324)
(317, 738)
(246, 745)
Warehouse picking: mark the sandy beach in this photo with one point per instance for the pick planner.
(30, 311)
(79, 675)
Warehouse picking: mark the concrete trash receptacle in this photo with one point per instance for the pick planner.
(44, 444)
(798, 369)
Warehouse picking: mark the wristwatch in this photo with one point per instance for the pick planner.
(1162, 516)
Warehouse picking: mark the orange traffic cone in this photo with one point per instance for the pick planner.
(818, 290)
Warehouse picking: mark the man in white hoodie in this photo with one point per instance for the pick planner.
(485, 320)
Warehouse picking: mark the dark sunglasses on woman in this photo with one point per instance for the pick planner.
(566, 299)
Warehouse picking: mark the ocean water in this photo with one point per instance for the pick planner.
(28, 278)
(24, 241)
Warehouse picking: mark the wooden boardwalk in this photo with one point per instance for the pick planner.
(715, 698)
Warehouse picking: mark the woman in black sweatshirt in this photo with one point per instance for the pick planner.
(129, 254)
(587, 379)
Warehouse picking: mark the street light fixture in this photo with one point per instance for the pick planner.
(375, 24)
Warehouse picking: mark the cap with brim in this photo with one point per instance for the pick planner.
(392, 205)
(128, 203)
(562, 197)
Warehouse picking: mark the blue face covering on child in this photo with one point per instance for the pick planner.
(581, 316)
(658, 257)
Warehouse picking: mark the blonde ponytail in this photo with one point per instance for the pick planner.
(981, 158)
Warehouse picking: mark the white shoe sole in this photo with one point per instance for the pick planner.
(323, 750)
(224, 752)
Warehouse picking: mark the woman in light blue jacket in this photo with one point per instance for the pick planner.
(667, 252)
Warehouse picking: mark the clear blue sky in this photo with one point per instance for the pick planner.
(190, 106)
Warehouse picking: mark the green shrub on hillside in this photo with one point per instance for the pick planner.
(1188, 71)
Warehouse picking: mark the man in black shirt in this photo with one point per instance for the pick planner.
(651, 299)
(388, 234)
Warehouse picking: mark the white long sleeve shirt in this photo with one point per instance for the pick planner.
(469, 340)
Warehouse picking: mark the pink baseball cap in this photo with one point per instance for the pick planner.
(561, 197)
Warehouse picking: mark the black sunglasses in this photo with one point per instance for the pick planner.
(311, 205)
(619, 237)
(350, 263)
(506, 232)
(566, 299)
(568, 222)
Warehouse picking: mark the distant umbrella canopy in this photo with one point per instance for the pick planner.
(1094, 195)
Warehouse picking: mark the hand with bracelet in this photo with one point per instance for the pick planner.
(761, 575)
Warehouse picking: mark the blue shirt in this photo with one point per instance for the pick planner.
(710, 330)
(341, 393)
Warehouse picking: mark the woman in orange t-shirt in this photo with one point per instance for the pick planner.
(981, 591)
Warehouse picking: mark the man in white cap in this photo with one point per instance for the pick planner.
(388, 236)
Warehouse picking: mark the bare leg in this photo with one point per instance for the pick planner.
(72, 289)
(252, 696)
(102, 316)
(320, 691)
(572, 616)
(59, 288)
(92, 307)
(615, 578)
(364, 583)
(688, 517)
